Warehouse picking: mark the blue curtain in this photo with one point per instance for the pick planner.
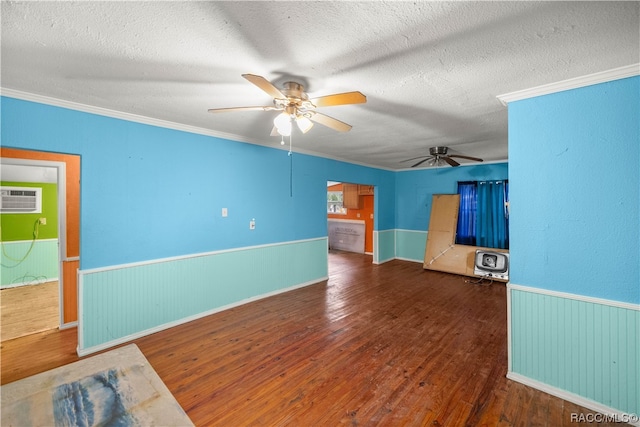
(466, 231)
(483, 217)
(492, 218)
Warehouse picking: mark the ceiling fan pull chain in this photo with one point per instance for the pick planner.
(290, 168)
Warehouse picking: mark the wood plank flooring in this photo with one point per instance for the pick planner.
(375, 345)
(29, 309)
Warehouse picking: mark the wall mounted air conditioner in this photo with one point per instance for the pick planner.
(20, 200)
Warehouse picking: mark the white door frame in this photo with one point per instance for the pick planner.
(62, 221)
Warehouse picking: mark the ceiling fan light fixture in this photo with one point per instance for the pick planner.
(304, 124)
(282, 122)
(294, 104)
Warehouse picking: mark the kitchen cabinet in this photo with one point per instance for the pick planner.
(365, 190)
(350, 196)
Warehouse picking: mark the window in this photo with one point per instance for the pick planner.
(483, 217)
(334, 203)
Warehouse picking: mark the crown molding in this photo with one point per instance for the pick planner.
(86, 108)
(578, 82)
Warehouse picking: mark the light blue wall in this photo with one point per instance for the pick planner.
(384, 246)
(574, 164)
(574, 183)
(415, 188)
(149, 192)
(411, 245)
(152, 194)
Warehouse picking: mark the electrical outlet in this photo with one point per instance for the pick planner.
(225, 212)
(43, 221)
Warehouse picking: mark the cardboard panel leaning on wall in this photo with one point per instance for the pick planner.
(442, 234)
(414, 191)
(442, 253)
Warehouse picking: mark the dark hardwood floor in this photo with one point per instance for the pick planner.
(375, 345)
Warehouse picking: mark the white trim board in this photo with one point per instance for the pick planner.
(196, 255)
(574, 83)
(61, 186)
(28, 242)
(566, 295)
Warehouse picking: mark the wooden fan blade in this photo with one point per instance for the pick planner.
(421, 162)
(414, 158)
(475, 159)
(330, 122)
(339, 99)
(449, 160)
(265, 85)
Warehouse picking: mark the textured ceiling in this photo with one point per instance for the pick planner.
(431, 71)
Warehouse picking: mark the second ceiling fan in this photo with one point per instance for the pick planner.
(296, 106)
(440, 154)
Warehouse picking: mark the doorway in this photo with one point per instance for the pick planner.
(350, 217)
(30, 255)
(54, 234)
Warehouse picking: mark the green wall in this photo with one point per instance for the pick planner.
(23, 260)
(16, 227)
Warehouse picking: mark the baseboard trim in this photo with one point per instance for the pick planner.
(410, 259)
(68, 325)
(86, 351)
(34, 282)
(574, 398)
(378, 262)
